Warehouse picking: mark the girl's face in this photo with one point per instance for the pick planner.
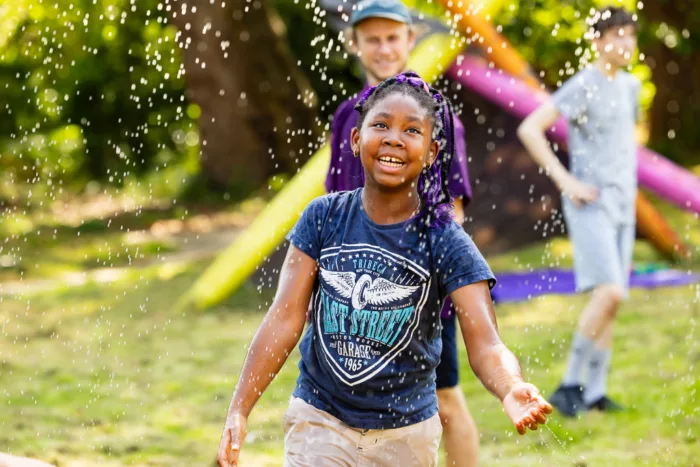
(395, 141)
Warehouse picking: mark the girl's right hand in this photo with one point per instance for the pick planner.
(526, 407)
(232, 440)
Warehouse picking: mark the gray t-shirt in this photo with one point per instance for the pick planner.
(601, 113)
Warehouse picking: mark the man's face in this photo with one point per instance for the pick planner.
(383, 46)
(617, 45)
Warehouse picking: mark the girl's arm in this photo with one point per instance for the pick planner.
(279, 331)
(532, 134)
(492, 362)
(274, 340)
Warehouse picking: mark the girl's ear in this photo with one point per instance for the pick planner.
(355, 141)
(433, 152)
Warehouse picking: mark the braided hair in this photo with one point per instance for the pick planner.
(435, 199)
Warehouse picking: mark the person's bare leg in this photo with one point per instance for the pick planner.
(596, 389)
(459, 434)
(600, 312)
(596, 324)
(590, 349)
(604, 341)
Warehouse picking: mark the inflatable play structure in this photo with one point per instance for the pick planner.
(497, 75)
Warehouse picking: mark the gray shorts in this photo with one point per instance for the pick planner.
(314, 438)
(602, 247)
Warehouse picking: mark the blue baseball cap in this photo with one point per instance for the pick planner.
(389, 9)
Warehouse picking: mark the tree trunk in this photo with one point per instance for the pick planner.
(241, 74)
(675, 110)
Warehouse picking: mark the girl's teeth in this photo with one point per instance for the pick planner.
(390, 163)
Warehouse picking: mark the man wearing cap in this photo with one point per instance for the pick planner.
(382, 38)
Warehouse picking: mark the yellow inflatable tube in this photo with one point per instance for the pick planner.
(489, 8)
(234, 265)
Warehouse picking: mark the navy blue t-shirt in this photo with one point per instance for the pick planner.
(370, 351)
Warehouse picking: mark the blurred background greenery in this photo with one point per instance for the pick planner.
(97, 91)
(138, 137)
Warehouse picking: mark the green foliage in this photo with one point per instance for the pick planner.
(92, 89)
(321, 54)
(674, 23)
(670, 34)
(549, 34)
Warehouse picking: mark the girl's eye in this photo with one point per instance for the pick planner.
(379, 125)
(414, 130)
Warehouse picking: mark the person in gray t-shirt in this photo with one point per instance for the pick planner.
(599, 193)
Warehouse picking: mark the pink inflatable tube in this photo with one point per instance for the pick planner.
(656, 173)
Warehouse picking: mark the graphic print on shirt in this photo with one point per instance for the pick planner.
(368, 306)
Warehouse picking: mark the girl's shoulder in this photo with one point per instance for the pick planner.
(341, 197)
(457, 259)
(448, 233)
(448, 229)
(332, 202)
(448, 236)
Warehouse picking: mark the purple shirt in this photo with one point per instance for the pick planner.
(346, 174)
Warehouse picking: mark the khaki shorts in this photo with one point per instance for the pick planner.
(314, 438)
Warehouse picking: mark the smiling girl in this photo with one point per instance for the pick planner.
(377, 264)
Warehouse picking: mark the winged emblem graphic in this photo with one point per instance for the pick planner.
(365, 290)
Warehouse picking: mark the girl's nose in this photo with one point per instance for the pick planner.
(393, 140)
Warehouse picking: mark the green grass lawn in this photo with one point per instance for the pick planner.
(113, 376)
(110, 374)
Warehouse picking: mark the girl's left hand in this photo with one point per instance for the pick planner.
(526, 407)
